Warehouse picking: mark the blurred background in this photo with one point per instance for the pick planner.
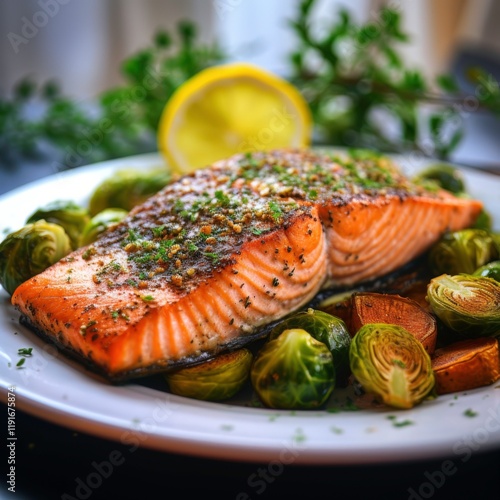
(83, 42)
(81, 45)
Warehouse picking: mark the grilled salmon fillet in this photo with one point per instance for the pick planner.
(202, 266)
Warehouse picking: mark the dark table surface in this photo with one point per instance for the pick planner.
(54, 461)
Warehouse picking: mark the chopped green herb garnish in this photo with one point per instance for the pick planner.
(276, 211)
(215, 257)
(158, 231)
(25, 351)
(395, 423)
(222, 198)
(470, 413)
(402, 423)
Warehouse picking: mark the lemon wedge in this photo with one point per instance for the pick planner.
(227, 109)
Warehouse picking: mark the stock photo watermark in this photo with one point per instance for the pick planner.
(75, 156)
(455, 117)
(259, 481)
(11, 438)
(100, 470)
(463, 449)
(279, 119)
(379, 20)
(30, 28)
(225, 7)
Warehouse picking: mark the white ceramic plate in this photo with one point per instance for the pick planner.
(59, 390)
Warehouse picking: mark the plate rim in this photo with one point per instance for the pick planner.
(226, 449)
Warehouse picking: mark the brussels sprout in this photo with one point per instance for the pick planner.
(391, 364)
(496, 239)
(490, 270)
(445, 176)
(67, 214)
(462, 252)
(324, 327)
(483, 221)
(127, 188)
(468, 305)
(31, 250)
(215, 380)
(100, 222)
(293, 371)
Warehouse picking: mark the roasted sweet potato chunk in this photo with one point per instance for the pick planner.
(466, 364)
(372, 307)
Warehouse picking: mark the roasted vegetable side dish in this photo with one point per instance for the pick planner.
(371, 307)
(99, 223)
(29, 250)
(490, 270)
(463, 252)
(127, 188)
(215, 380)
(391, 364)
(72, 217)
(468, 305)
(293, 371)
(445, 176)
(324, 327)
(466, 364)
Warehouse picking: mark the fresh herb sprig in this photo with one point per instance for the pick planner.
(352, 76)
(124, 119)
(356, 83)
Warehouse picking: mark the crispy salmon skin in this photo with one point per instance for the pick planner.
(205, 264)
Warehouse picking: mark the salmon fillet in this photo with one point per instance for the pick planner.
(202, 266)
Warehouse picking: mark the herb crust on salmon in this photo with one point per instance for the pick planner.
(202, 266)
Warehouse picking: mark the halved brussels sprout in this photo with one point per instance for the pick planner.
(468, 305)
(99, 223)
(391, 364)
(68, 214)
(490, 270)
(293, 371)
(445, 176)
(215, 380)
(127, 188)
(324, 327)
(29, 251)
(462, 252)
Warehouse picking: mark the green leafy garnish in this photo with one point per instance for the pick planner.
(25, 351)
(470, 413)
(125, 118)
(349, 72)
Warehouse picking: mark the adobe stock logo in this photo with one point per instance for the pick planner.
(31, 27)
(463, 450)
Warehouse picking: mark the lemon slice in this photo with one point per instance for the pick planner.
(228, 109)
